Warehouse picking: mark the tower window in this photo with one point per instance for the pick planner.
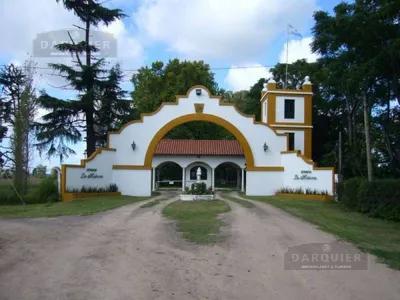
(289, 109)
(291, 141)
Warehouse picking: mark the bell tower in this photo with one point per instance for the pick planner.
(289, 111)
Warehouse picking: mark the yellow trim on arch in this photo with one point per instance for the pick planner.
(178, 97)
(248, 154)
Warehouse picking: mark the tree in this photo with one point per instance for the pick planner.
(112, 110)
(39, 171)
(19, 104)
(161, 83)
(360, 42)
(68, 118)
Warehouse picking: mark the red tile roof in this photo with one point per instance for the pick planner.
(199, 147)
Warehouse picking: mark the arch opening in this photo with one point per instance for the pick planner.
(228, 175)
(168, 175)
(199, 117)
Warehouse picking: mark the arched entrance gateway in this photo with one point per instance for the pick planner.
(275, 153)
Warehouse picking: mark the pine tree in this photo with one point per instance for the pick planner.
(67, 119)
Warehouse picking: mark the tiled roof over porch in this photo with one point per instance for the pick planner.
(199, 147)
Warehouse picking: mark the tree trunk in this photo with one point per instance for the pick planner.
(89, 105)
(349, 123)
(367, 138)
(20, 179)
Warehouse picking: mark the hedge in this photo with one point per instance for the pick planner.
(379, 198)
(44, 192)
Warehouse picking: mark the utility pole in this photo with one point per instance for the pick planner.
(287, 56)
(367, 138)
(340, 161)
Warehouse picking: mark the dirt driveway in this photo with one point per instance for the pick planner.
(134, 253)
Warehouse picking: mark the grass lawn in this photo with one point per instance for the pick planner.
(197, 220)
(378, 237)
(81, 207)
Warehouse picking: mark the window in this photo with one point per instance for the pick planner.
(289, 109)
(291, 141)
(193, 173)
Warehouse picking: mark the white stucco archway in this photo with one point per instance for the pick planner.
(131, 167)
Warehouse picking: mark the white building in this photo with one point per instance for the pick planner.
(275, 153)
(222, 164)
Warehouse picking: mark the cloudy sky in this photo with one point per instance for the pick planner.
(227, 34)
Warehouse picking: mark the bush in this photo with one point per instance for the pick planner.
(348, 192)
(307, 191)
(380, 198)
(8, 196)
(46, 191)
(198, 188)
(85, 189)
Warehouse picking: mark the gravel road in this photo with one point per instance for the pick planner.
(135, 253)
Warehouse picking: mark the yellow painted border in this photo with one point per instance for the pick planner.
(179, 97)
(130, 167)
(306, 197)
(248, 154)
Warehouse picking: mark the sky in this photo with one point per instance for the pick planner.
(226, 34)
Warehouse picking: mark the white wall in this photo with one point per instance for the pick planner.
(138, 182)
(264, 111)
(133, 182)
(263, 183)
(103, 165)
(142, 133)
(294, 165)
(298, 138)
(298, 109)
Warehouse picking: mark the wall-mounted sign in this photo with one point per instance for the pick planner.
(91, 174)
(305, 175)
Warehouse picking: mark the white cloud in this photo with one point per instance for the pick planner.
(130, 51)
(298, 49)
(235, 31)
(239, 79)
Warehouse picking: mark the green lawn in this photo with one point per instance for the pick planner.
(378, 237)
(197, 220)
(81, 207)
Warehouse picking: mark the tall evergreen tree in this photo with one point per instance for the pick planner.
(112, 110)
(67, 119)
(18, 102)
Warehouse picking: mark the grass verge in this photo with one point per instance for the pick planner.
(197, 220)
(151, 203)
(80, 207)
(378, 237)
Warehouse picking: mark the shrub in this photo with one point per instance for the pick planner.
(380, 198)
(89, 189)
(45, 191)
(348, 192)
(8, 196)
(307, 191)
(198, 188)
